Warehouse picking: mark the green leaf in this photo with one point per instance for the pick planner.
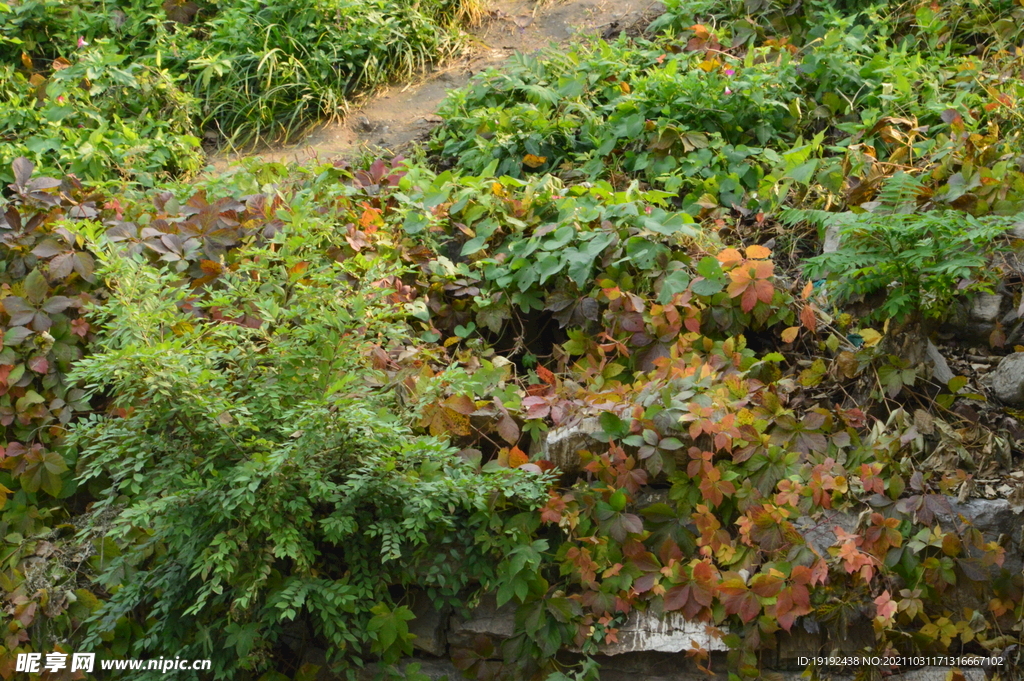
(472, 246)
(612, 427)
(668, 224)
(707, 287)
(710, 268)
(803, 173)
(36, 287)
(671, 284)
(415, 222)
(955, 384)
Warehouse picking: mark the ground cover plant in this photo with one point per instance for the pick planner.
(266, 413)
(740, 117)
(127, 90)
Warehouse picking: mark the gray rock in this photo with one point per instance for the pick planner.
(563, 445)
(820, 532)
(429, 625)
(985, 308)
(810, 639)
(435, 670)
(941, 674)
(1007, 380)
(672, 633)
(940, 368)
(831, 244)
(998, 520)
(487, 618)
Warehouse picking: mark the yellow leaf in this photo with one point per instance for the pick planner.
(443, 420)
(729, 256)
(709, 65)
(871, 337)
(758, 252)
(789, 335)
(534, 161)
(181, 328)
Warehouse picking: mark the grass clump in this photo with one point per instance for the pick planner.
(128, 88)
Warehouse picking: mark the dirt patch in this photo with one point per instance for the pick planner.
(402, 113)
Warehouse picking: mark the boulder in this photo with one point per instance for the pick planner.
(663, 667)
(1007, 380)
(985, 308)
(999, 520)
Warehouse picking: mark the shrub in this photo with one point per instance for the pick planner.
(719, 126)
(272, 485)
(923, 261)
(253, 70)
(100, 118)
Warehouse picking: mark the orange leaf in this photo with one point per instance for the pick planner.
(808, 290)
(369, 217)
(764, 269)
(758, 252)
(534, 161)
(517, 457)
(729, 256)
(808, 318)
(210, 267)
(546, 375)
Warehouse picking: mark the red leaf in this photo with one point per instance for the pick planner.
(508, 429)
(808, 318)
(677, 597)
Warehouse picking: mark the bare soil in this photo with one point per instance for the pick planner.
(398, 115)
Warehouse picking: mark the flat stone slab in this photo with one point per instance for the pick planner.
(671, 634)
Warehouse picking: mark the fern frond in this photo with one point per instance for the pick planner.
(900, 194)
(797, 216)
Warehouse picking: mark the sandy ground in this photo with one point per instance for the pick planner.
(397, 115)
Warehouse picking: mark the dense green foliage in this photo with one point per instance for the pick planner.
(922, 262)
(274, 487)
(740, 118)
(272, 413)
(108, 89)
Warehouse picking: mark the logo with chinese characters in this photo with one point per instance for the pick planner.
(33, 663)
